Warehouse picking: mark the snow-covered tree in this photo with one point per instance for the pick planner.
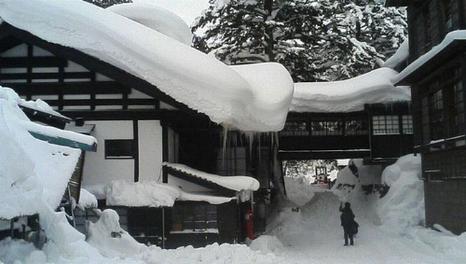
(315, 39)
(107, 3)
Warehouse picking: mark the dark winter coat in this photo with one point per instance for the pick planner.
(347, 217)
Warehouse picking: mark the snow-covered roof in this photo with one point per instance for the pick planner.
(415, 65)
(349, 95)
(152, 194)
(235, 183)
(33, 173)
(156, 18)
(229, 96)
(401, 55)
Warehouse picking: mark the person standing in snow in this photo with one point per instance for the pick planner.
(348, 223)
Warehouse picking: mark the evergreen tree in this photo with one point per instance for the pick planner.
(107, 3)
(315, 39)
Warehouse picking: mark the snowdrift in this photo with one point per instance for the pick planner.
(349, 95)
(232, 96)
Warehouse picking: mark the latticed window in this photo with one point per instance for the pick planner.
(458, 115)
(326, 128)
(437, 115)
(385, 125)
(194, 218)
(295, 128)
(407, 124)
(356, 127)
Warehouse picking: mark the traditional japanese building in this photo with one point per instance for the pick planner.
(436, 74)
(145, 95)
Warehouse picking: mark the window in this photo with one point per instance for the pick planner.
(425, 120)
(458, 111)
(326, 128)
(295, 128)
(194, 218)
(407, 124)
(385, 125)
(437, 117)
(356, 127)
(119, 149)
(447, 14)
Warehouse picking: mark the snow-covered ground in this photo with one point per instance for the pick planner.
(390, 232)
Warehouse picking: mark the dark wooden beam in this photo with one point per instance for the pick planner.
(90, 102)
(136, 149)
(132, 114)
(54, 88)
(45, 75)
(329, 154)
(22, 62)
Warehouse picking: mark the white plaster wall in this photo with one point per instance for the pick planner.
(150, 150)
(97, 169)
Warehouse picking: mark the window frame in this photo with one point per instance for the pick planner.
(385, 125)
(110, 156)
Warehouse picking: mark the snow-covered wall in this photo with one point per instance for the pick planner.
(97, 169)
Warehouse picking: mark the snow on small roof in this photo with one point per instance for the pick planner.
(401, 55)
(227, 95)
(156, 18)
(42, 132)
(419, 62)
(33, 173)
(152, 194)
(349, 95)
(235, 183)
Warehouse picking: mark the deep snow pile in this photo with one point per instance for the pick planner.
(156, 18)
(228, 95)
(33, 173)
(86, 200)
(403, 206)
(376, 86)
(152, 194)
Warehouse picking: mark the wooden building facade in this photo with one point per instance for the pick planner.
(437, 75)
(380, 133)
(137, 126)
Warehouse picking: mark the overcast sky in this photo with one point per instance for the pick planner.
(186, 9)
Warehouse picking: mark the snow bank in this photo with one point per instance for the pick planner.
(403, 206)
(30, 169)
(86, 200)
(299, 191)
(111, 240)
(412, 67)
(401, 55)
(156, 18)
(349, 95)
(227, 95)
(236, 183)
(153, 194)
(267, 244)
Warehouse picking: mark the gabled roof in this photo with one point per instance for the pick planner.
(153, 63)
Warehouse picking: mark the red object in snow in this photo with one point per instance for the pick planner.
(250, 224)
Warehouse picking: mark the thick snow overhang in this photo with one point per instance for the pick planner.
(156, 18)
(400, 57)
(151, 62)
(453, 43)
(212, 181)
(349, 95)
(152, 194)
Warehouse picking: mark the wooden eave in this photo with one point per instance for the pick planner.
(199, 181)
(46, 118)
(434, 62)
(97, 65)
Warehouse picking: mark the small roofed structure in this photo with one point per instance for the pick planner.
(34, 174)
(205, 212)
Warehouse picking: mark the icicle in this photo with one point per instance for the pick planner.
(224, 144)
